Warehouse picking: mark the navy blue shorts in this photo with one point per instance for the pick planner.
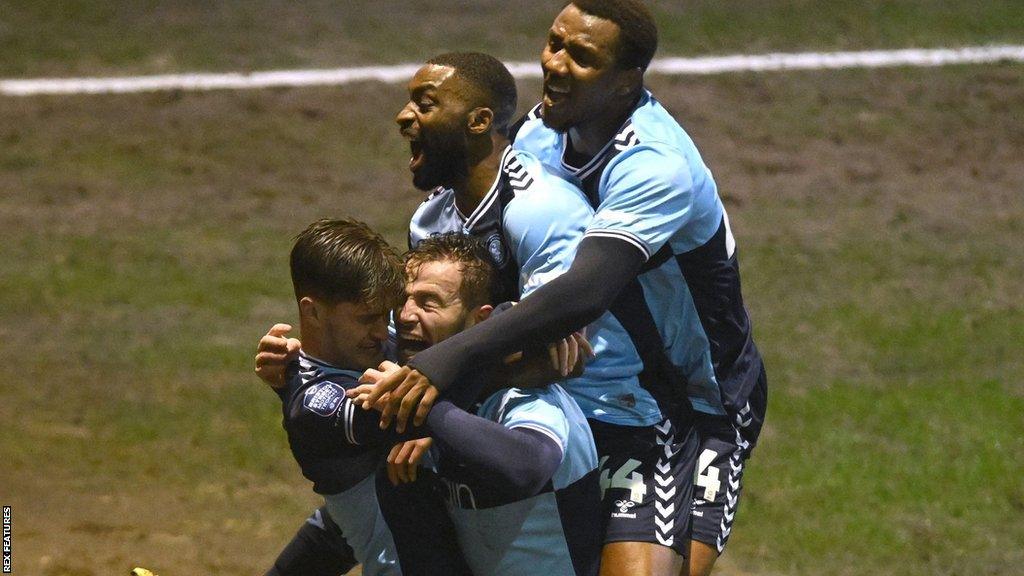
(726, 443)
(647, 482)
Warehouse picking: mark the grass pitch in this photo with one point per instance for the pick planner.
(81, 37)
(878, 215)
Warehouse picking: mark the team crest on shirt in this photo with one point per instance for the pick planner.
(497, 249)
(324, 399)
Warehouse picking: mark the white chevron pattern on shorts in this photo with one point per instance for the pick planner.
(732, 494)
(664, 508)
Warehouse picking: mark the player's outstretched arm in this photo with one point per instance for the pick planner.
(273, 354)
(602, 268)
(517, 461)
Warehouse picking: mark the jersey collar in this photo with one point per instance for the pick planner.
(489, 198)
(582, 172)
(311, 365)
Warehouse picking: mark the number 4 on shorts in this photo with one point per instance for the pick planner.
(625, 477)
(707, 476)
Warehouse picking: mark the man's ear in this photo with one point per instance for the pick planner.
(483, 312)
(309, 311)
(480, 121)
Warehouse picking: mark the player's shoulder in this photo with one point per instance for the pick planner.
(317, 394)
(436, 197)
(651, 150)
(654, 131)
(500, 405)
(531, 135)
(432, 205)
(315, 375)
(528, 176)
(430, 214)
(549, 404)
(532, 115)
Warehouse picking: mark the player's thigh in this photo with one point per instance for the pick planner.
(646, 478)
(640, 559)
(702, 559)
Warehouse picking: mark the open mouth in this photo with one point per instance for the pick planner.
(417, 155)
(409, 346)
(554, 94)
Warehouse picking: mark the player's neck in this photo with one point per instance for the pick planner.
(483, 170)
(589, 138)
(311, 341)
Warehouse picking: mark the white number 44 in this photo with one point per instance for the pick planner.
(625, 477)
(708, 476)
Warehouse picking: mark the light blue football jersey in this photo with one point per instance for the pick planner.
(543, 226)
(649, 187)
(357, 513)
(439, 214)
(531, 221)
(558, 531)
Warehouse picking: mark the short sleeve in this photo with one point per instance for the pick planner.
(543, 227)
(532, 411)
(646, 197)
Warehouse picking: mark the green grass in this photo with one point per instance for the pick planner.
(83, 37)
(879, 221)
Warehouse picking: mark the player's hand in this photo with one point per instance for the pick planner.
(404, 459)
(368, 383)
(273, 354)
(586, 352)
(569, 354)
(412, 394)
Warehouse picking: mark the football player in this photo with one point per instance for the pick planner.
(659, 254)
(549, 519)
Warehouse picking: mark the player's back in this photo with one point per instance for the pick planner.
(559, 530)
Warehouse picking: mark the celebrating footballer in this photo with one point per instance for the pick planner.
(569, 383)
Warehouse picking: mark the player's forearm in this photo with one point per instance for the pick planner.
(349, 424)
(519, 462)
(603, 266)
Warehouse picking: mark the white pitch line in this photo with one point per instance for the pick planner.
(399, 73)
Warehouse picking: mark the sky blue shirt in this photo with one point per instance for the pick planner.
(649, 187)
(544, 533)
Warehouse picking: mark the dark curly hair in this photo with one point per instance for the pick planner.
(488, 75)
